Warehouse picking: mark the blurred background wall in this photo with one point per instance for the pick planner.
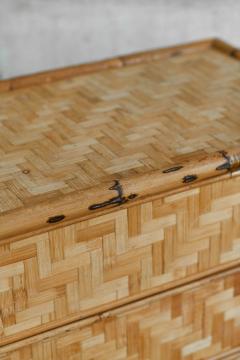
(42, 34)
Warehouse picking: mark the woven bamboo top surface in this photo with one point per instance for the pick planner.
(74, 134)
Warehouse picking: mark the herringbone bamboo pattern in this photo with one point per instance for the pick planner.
(113, 258)
(194, 323)
(76, 133)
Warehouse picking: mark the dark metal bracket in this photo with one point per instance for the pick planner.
(55, 219)
(173, 169)
(117, 200)
(189, 178)
(231, 164)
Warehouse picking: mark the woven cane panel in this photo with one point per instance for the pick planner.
(194, 324)
(103, 261)
(72, 134)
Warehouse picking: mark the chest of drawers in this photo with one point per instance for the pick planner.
(119, 193)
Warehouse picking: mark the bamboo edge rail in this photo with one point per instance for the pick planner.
(117, 62)
(73, 207)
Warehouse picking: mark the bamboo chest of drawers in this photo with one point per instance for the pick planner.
(120, 208)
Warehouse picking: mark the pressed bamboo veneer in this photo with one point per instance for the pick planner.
(119, 180)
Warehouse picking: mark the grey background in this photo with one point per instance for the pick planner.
(42, 34)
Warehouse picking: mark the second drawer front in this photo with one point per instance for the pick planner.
(67, 273)
(196, 322)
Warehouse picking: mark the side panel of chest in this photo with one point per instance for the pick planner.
(51, 279)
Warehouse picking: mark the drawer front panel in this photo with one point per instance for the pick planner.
(73, 271)
(198, 322)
